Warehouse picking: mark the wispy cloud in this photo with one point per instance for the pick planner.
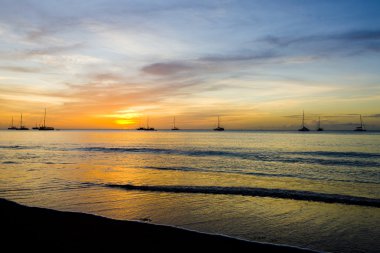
(352, 41)
(20, 69)
(53, 50)
(163, 69)
(247, 56)
(348, 36)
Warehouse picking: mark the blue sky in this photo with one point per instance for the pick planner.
(258, 64)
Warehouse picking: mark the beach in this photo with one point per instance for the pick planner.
(40, 229)
(318, 191)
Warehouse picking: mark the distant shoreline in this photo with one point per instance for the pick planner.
(49, 230)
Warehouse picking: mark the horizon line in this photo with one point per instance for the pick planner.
(199, 129)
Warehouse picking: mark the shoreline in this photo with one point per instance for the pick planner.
(41, 229)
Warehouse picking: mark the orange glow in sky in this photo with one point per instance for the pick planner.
(93, 66)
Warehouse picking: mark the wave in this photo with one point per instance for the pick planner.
(259, 174)
(260, 156)
(332, 162)
(340, 154)
(10, 162)
(164, 151)
(257, 192)
(16, 147)
(330, 158)
(182, 169)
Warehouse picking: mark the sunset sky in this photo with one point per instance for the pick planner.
(257, 64)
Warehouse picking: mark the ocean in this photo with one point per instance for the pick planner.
(318, 190)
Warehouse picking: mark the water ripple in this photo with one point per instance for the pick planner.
(257, 192)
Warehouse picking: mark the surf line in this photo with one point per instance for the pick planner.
(256, 192)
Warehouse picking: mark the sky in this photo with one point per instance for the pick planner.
(256, 63)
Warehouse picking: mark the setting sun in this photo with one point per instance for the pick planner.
(125, 122)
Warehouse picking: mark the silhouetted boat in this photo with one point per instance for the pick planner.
(12, 127)
(361, 127)
(174, 127)
(219, 128)
(303, 128)
(35, 128)
(319, 125)
(141, 128)
(44, 127)
(147, 128)
(21, 126)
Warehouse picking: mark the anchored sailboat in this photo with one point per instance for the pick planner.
(12, 127)
(361, 127)
(21, 126)
(140, 128)
(219, 128)
(304, 128)
(319, 125)
(174, 127)
(147, 128)
(44, 127)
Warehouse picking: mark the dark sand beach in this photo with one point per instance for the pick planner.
(31, 228)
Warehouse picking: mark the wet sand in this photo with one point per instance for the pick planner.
(31, 228)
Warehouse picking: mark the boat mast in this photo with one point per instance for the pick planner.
(218, 121)
(21, 121)
(141, 124)
(303, 118)
(147, 122)
(45, 118)
(12, 121)
(319, 122)
(174, 122)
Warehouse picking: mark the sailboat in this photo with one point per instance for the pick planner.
(361, 127)
(12, 127)
(319, 125)
(174, 127)
(140, 128)
(21, 126)
(147, 128)
(44, 127)
(304, 128)
(36, 127)
(219, 128)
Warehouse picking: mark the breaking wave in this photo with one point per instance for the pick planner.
(257, 192)
(341, 154)
(261, 174)
(317, 157)
(358, 159)
(17, 147)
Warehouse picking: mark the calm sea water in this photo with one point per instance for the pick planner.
(314, 190)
